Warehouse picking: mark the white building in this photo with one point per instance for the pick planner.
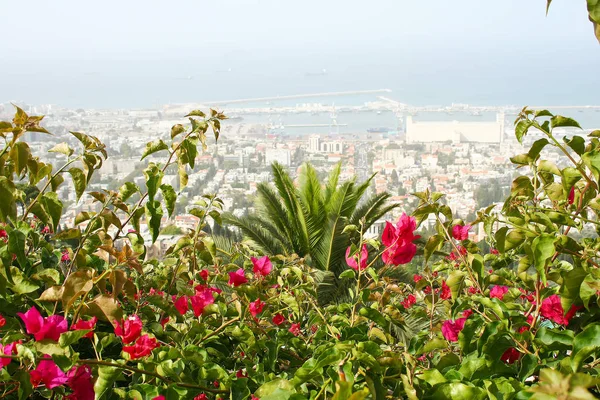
(455, 131)
(282, 156)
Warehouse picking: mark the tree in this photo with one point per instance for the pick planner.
(310, 219)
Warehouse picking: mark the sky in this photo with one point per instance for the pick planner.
(141, 53)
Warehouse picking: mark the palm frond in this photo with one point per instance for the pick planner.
(332, 182)
(262, 239)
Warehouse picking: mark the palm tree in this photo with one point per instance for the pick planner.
(308, 219)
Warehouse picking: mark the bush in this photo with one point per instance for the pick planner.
(84, 316)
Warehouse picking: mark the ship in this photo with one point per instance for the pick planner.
(379, 130)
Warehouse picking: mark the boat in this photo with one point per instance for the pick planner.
(378, 130)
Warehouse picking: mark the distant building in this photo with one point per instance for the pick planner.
(282, 156)
(316, 145)
(455, 131)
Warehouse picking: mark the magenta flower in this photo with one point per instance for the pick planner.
(399, 241)
(461, 232)
(352, 260)
(552, 309)
(48, 373)
(572, 195)
(498, 292)
(278, 319)
(65, 256)
(142, 347)
(181, 304)
(510, 356)
(43, 328)
(130, 329)
(256, 307)
(80, 382)
(81, 324)
(7, 350)
(261, 266)
(446, 292)
(237, 278)
(451, 329)
(295, 329)
(201, 299)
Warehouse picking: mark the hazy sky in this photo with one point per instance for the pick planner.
(59, 48)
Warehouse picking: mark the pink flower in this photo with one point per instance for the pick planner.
(181, 304)
(261, 266)
(409, 301)
(295, 329)
(65, 256)
(473, 290)
(201, 396)
(48, 373)
(201, 299)
(417, 278)
(161, 397)
(461, 232)
(204, 274)
(237, 278)
(256, 307)
(81, 324)
(142, 347)
(467, 313)
(2, 321)
(451, 329)
(130, 329)
(278, 319)
(7, 350)
(80, 381)
(552, 309)
(352, 260)
(46, 230)
(446, 292)
(572, 195)
(510, 356)
(253, 397)
(399, 241)
(43, 328)
(528, 326)
(498, 292)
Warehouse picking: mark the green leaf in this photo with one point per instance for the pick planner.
(62, 148)
(543, 249)
(153, 147)
(53, 207)
(20, 154)
(154, 215)
(106, 378)
(374, 316)
(190, 150)
(521, 129)
(592, 160)
(347, 274)
(153, 180)
(68, 338)
(585, 344)
(554, 339)
(176, 130)
(458, 391)
(537, 147)
(560, 121)
(127, 190)
(78, 181)
(16, 246)
(21, 283)
(577, 143)
(8, 207)
(196, 113)
(170, 197)
(433, 244)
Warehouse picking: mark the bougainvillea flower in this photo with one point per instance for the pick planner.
(528, 326)
(417, 278)
(552, 309)
(278, 319)
(237, 278)
(295, 329)
(409, 301)
(510, 356)
(494, 252)
(181, 304)
(142, 347)
(80, 382)
(256, 307)
(201, 299)
(261, 266)
(351, 259)
(498, 292)
(43, 328)
(201, 396)
(7, 350)
(3, 234)
(572, 195)
(467, 313)
(446, 292)
(65, 256)
(204, 274)
(130, 329)
(461, 232)
(48, 373)
(398, 240)
(2, 321)
(241, 374)
(473, 290)
(451, 329)
(161, 397)
(46, 230)
(81, 324)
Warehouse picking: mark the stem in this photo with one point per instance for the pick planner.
(327, 382)
(219, 329)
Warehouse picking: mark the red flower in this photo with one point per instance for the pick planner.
(261, 266)
(3, 234)
(181, 304)
(446, 293)
(65, 256)
(409, 301)
(161, 397)
(494, 251)
(204, 274)
(461, 232)
(130, 329)
(510, 356)
(201, 299)
(201, 396)
(7, 350)
(253, 397)
(164, 321)
(572, 195)
(417, 278)
(142, 347)
(81, 324)
(216, 384)
(295, 329)
(351, 260)
(427, 290)
(48, 373)
(451, 329)
(526, 327)
(80, 381)
(467, 313)
(399, 241)
(278, 319)
(46, 230)
(2, 321)
(529, 296)
(43, 328)
(473, 290)
(237, 278)
(256, 307)
(552, 309)
(498, 292)
(241, 374)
